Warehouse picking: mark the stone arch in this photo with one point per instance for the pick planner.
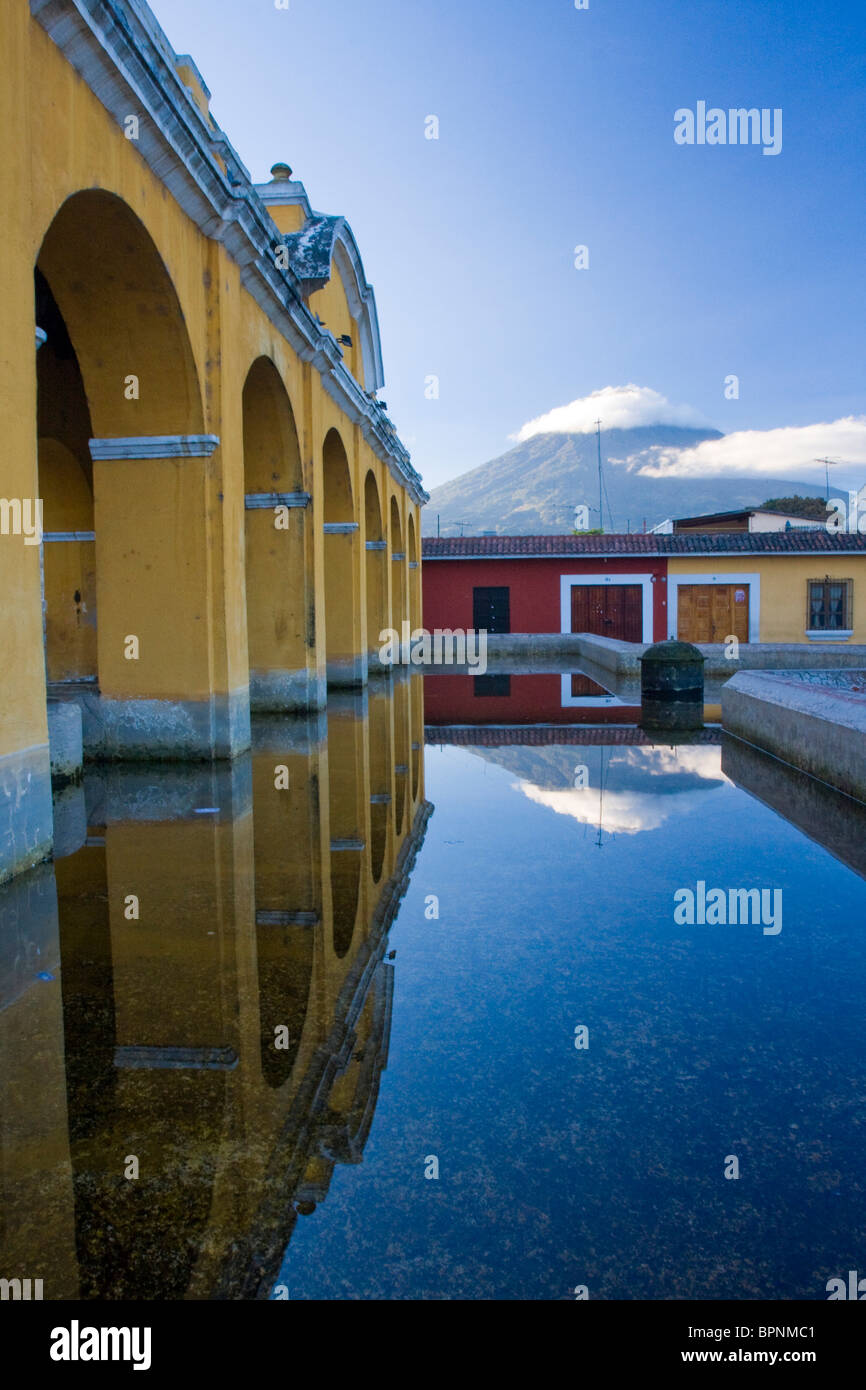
(114, 323)
(341, 538)
(123, 317)
(275, 544)
(376, 562)
(398, 569)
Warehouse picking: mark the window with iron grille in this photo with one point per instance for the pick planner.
(829, 605)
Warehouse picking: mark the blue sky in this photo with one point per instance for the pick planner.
(556, 130)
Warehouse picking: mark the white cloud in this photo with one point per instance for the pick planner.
(618, 407)
(789, 452)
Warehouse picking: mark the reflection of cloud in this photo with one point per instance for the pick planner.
(702, 760)
(626, 812)
(622, 408)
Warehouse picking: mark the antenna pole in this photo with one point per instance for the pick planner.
(600, 502)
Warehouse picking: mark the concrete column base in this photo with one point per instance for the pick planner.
(65, 741)
(348, 670)
(274, 691)
(160, 730)
(26, 818)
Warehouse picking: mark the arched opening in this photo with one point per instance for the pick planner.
(275, 544)
(344, 664)
(414, 576)
(118, 368)
(123, 317)
(66, 489)
(398, 571)
(376, 557)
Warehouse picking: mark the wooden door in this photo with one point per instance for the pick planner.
(713, 612)
(608, 610)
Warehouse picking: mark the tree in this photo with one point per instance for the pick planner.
(812, 508)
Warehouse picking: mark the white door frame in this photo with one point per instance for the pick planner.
(753, 581)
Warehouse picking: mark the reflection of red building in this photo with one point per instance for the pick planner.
(570, 698)
(612, 585)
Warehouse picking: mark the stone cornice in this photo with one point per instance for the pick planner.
(123, 56)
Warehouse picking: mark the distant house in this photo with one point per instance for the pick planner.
(749, 519)
(798, 585)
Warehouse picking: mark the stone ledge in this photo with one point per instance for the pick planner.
(810, 723)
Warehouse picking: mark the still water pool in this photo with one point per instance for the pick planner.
(505, 1069)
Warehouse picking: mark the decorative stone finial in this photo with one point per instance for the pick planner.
(281, 173)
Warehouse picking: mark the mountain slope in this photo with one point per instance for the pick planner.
(534, 488)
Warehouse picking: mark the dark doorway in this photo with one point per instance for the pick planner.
(491, 609)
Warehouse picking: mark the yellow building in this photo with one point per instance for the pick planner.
(190, 369)
(801, 591)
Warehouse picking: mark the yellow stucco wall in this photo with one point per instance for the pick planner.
(783, 586)
(171, 310)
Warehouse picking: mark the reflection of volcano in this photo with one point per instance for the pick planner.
(621, 789)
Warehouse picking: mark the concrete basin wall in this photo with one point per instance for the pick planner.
(815, 720)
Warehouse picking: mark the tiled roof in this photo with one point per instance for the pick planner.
(794, 542)
(533, 735)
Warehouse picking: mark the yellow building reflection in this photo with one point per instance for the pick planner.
(197, 1004)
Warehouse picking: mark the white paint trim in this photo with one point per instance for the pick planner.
(826, 635)
(569, 701)
(154, 446)
(340, 528)
(569, 581)
(54, 536)
(753, 580)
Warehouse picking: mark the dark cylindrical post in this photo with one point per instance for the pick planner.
(672, 686)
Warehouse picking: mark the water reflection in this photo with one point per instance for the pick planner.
(196, 1004)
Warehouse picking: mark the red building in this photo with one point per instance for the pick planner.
(615, 585)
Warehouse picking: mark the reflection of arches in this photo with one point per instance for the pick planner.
(398, 567)
(340, 542)
(401, 750)
(416, 700)
(379, 733)
(287, 893)
(345, 785)
(275, 543)
(376, 565)
(345, 885)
